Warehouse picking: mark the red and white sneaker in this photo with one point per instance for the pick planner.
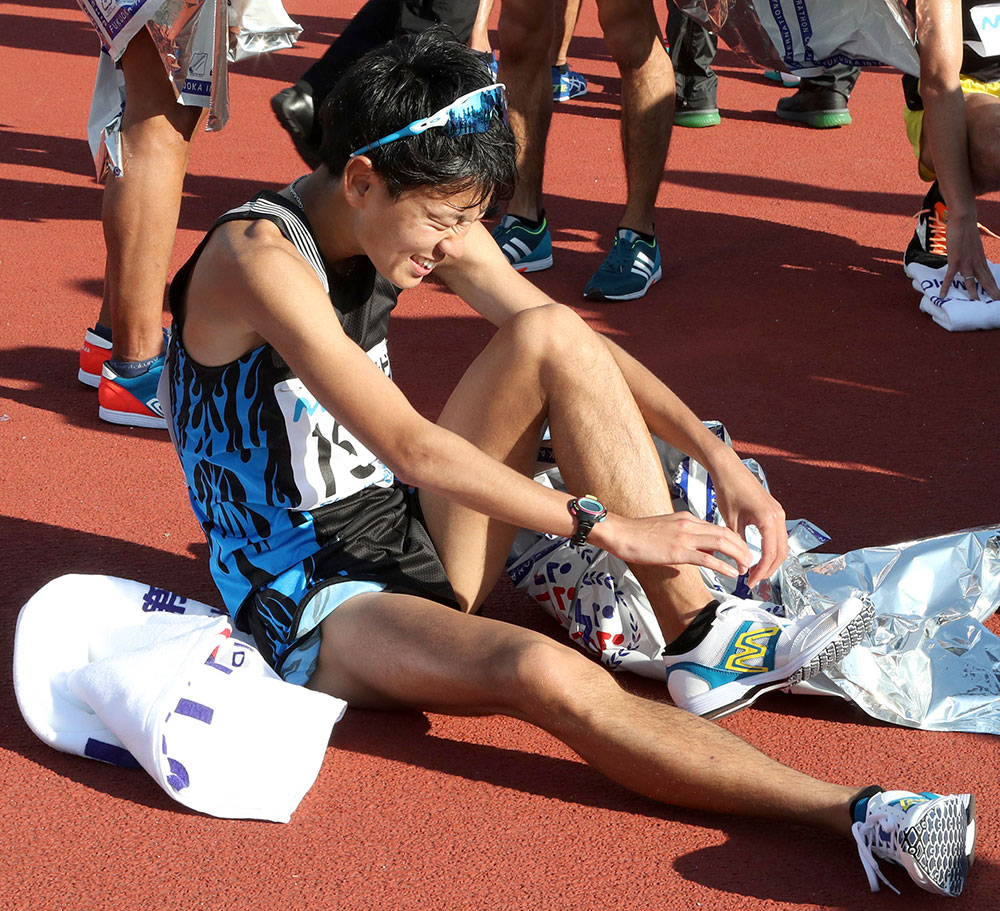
(93, 353)
(131, 401)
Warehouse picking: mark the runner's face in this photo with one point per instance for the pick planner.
(408, 237)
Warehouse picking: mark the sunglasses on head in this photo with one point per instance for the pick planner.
(472, 113)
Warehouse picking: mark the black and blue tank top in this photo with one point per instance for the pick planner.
(268, 468)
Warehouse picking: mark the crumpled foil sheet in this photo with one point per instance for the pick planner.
(805, 37)
(196, 40)
(929, 663)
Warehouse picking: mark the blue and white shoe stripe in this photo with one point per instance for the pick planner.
(516, 249)
(643, 265)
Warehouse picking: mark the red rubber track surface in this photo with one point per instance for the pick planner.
(783, 311)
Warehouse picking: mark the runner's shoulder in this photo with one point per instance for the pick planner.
(249, 248)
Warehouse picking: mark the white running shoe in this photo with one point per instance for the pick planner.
(749, 651)
(930, 836)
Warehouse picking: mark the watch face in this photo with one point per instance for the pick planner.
(589, 505)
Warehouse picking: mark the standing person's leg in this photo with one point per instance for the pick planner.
(692, 51)
(821, 101)
(526, 28)
(648, 91)
(567, 13)
(566, 83)
(140, 210)
(479, 40)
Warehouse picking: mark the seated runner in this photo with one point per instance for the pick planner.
(952, 120)
(356, 540)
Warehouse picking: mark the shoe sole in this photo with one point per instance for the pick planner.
(941, 843)
(820, 120)
(631, 296)
(731, 697)
(926, 263)
(697, 119)
(536, 265)
(568, 97)
(88, 379)
(129, 419)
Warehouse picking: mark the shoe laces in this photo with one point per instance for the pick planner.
(865, 834)
(937, 229)
(620, 256)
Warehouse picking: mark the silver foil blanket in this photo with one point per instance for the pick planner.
(807, 36)
(196, 41)
(929, 663)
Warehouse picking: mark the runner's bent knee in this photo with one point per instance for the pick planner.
(553, 333)
(553, 686)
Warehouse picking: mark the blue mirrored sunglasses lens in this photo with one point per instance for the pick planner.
(476, 114)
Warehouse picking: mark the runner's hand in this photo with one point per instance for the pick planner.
(743, 501)
(967, 258)
(675, 540)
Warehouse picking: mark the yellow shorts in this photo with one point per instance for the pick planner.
(915, 120)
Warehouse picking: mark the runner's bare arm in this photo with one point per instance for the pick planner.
(484, 279)
(255, 277)
(939, 30)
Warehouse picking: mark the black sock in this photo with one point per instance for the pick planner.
(696, 631)
(858, 812)
(649, 238)
(103, 331)
(562, 67)
(528, 223)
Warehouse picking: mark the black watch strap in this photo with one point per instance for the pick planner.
(587, 511)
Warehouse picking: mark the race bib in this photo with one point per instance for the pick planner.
(328, 462)
(986, 19)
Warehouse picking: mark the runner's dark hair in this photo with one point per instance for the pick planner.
(405, 80)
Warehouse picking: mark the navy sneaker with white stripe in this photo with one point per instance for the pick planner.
(527, 249)
(628, 271)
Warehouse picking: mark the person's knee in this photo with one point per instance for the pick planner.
(525, 29)
(554, 334)
(556, 687)
(630, 31)
(162, 138)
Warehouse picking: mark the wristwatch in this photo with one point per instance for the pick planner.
(587, 511)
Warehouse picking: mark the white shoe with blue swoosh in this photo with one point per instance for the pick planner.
(748, 650)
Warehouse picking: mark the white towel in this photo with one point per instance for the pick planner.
(953, 309)
(138, 676)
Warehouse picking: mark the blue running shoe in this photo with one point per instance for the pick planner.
(527, 249)
(567, 85)
(931, 836)
(131, 401)
(628, 270)
(748, 650)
